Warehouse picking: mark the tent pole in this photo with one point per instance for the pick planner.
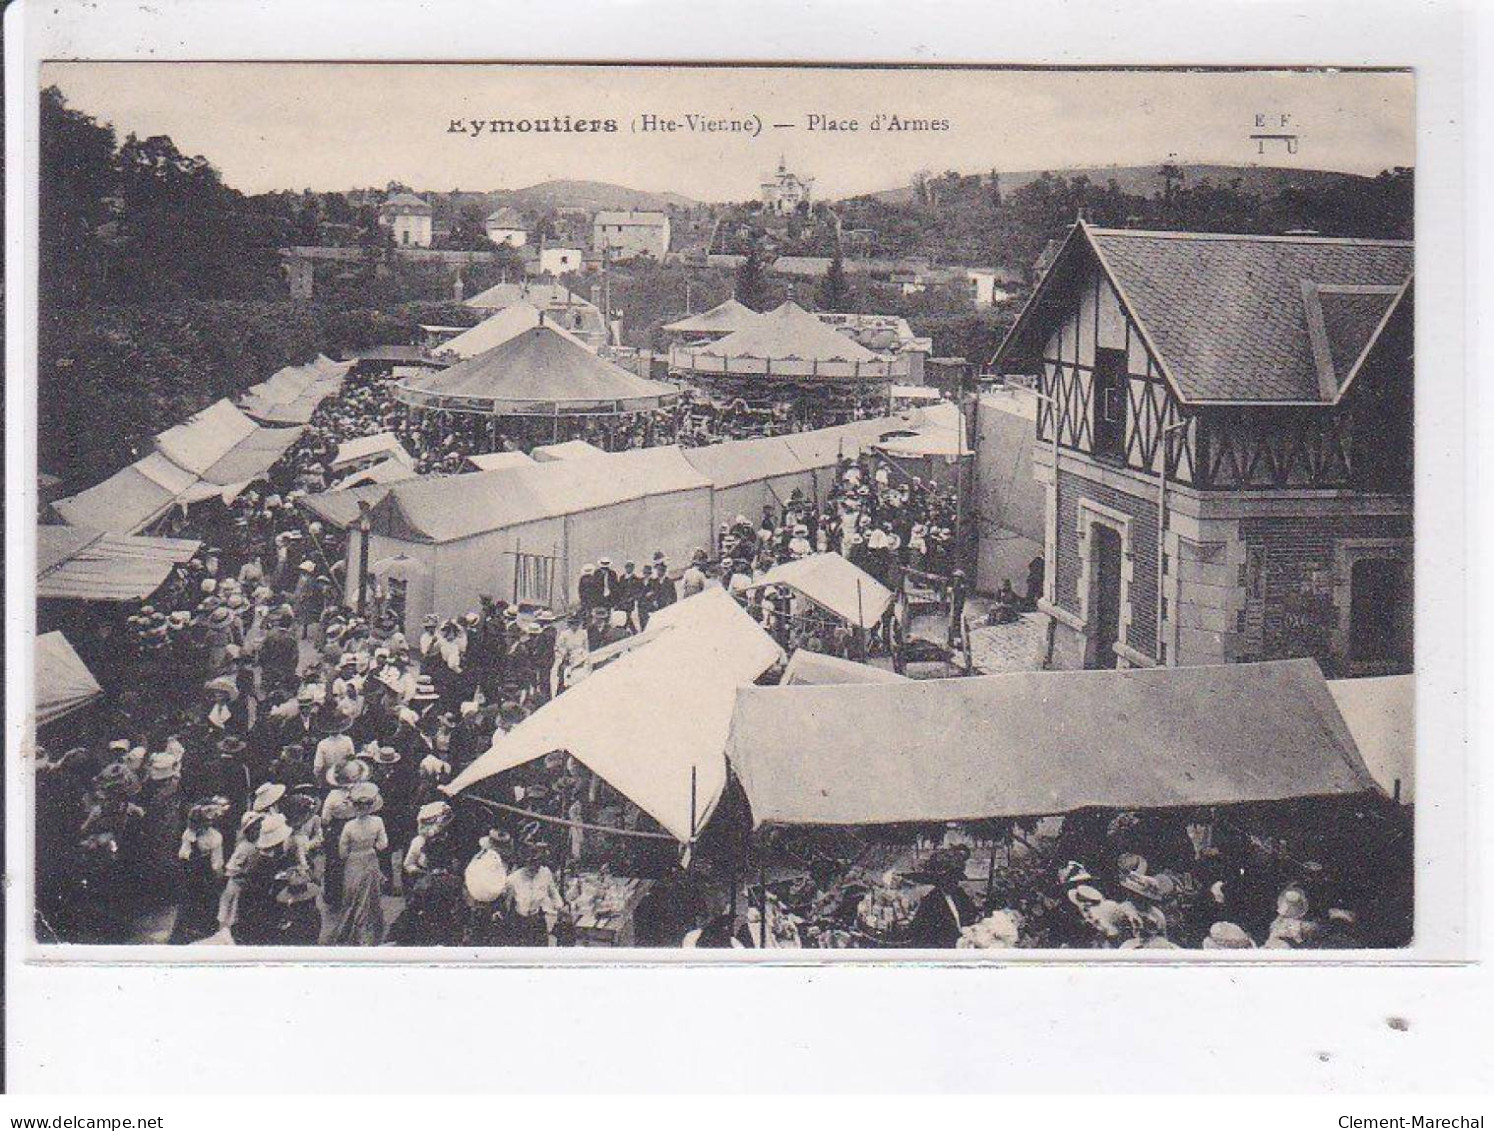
(991, 875)
(762, 883)
(691, 862)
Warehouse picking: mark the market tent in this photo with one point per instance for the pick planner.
(789, 332)
(727, 318)
(291, 395)
(748, 474)
(339, 506)
(612, 723)
(369, 448)
(1037, 743)
(508, 323)
(497, 461)
(808, 668)
(63, 681)
(205, 437)
(825, 447)
(134, 497)
(937, 434)
(92, 565)
(1381, 715)
(393, 470)
(569, 449)
(543, 371)
(835, 585)
(251, 458)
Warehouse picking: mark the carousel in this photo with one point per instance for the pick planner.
(789, 362)
(540, 386)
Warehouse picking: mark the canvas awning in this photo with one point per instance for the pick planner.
(937, 433)
(134, 497)
(63, 681)
(291, 395)
(1038, 743)
(923, 394)
(497, 461)
(392, 470)
(251, 458)
(205, 437)
(834, 584)
(383, 444)
(92, 565)
(568, 449)
(813, 669)
(1381, 715)
(612, 722)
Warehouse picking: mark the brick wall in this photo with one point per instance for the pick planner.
(1143, 545)
(1294, 611)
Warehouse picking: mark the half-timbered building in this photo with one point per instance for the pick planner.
(1225, 437)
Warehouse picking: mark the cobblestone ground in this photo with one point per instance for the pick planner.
(1016, 647)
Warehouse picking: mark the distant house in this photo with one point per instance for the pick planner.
(1231, 475)
(783, 191)
(560, 260)
(983, 288)
(408, 217)
(802, 266)
(626, 235)
(506, 226)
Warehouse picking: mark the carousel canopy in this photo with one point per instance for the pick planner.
(76, 564)
(542, 371)
(789, 332)
(835, 585)
(63, 681)
(727, 318)
(508, 323)
(1038, 743)
(545, 295)
(611, 722)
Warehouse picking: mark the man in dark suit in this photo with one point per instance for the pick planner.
(947, 909)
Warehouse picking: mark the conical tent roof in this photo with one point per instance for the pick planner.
(540, 372)
(790, 331)
(727, 318)
(508, 323)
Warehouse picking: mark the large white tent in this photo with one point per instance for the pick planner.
(670, 763)
(834, 584)
(1039, 743)
(1381, 714)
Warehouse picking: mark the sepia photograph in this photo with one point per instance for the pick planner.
(906, 510)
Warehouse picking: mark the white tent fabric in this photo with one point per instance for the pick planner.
(936, 434)
(1381, 715)
(1040, 743)
(508, 323)
(205, 437)
(920, 393)
(386, 471)
(497, 461)
(369, 447)
(612, 722)
(835, 585)
(570, 449)
(63, 681)
(813, 669)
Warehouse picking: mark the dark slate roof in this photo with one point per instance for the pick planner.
(1229, 315)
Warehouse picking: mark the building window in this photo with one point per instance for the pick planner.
(1380, 612)
(1109, 408)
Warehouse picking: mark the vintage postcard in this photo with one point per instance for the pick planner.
(727, 509)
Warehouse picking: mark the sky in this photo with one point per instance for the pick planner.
(335, 126)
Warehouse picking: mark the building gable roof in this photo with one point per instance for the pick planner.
(632, 219)
(1236, 318)
(506, 218)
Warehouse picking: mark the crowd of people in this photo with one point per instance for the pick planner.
(267, 767)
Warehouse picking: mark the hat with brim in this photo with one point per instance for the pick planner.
(432, 812)
(266, 795)
(366, 798)
(1228, 936)
(385, 756)
(349, 772)
(425, 691)
(274, 830)
(1292, 904)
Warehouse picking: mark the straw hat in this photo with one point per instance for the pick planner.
(266, 795)
(273, 830)
(1228, 936)
(163, 765)
(365, 797)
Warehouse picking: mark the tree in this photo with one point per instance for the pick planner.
(834, 290)
(77, 179)
(752, 286)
